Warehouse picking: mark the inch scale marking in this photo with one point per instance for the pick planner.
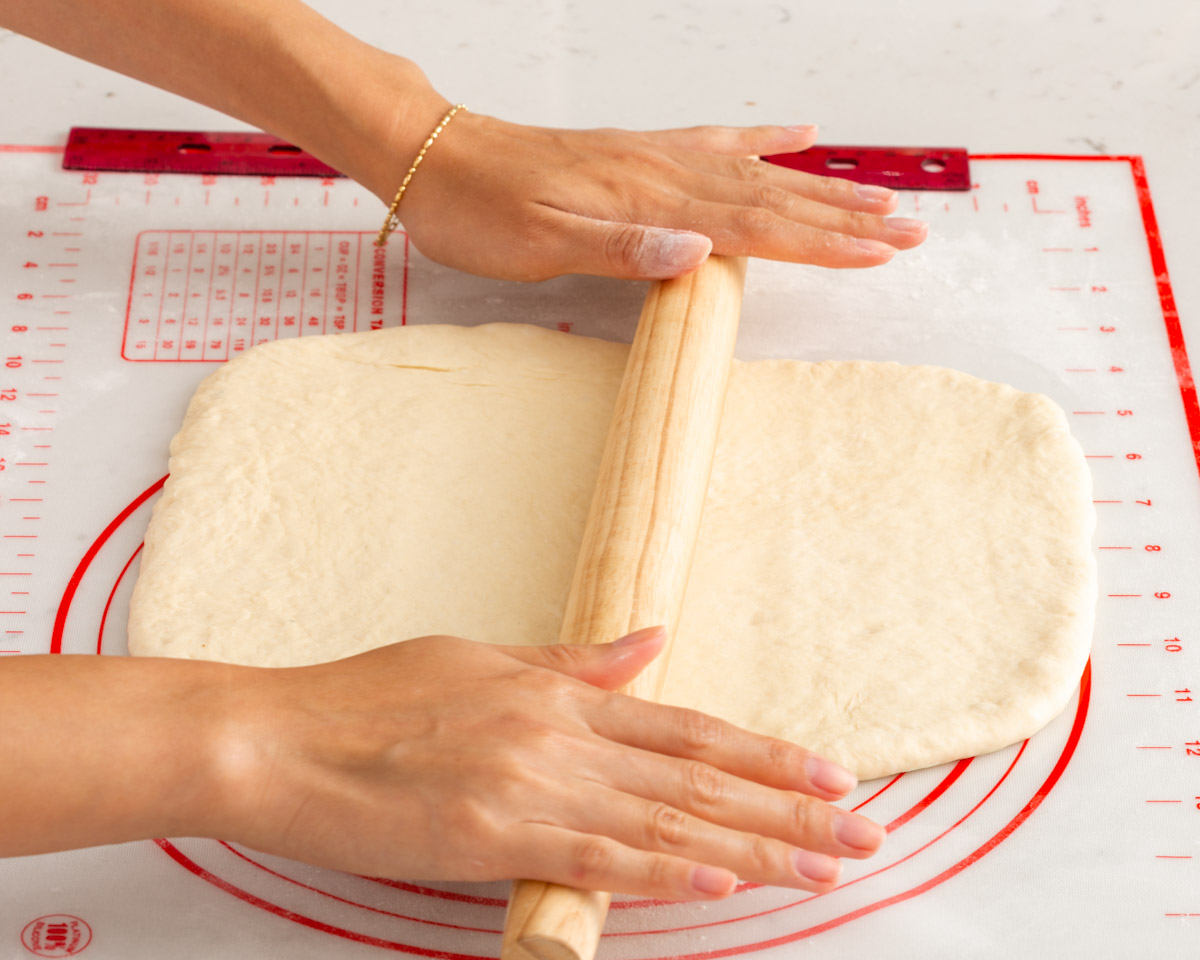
(1144, 566)
(36, 336)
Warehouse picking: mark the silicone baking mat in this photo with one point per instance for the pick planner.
(121, 291)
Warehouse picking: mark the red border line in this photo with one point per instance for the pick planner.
(1085, 157)
(1162, 277)
(1166, 298)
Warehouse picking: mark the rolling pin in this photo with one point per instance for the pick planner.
(641, 533)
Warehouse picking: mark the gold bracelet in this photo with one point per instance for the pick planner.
(392, 221)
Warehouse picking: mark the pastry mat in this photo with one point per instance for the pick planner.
(122, 290)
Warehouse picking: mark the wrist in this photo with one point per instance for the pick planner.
(399, 116)
(197, 713)
(240, 725)
(382, 116)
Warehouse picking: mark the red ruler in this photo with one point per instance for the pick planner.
(260, 154)
(902, 168)
(188, 151)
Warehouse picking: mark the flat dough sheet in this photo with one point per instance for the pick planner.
(894, 566)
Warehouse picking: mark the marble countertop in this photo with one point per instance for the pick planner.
(1044, 76)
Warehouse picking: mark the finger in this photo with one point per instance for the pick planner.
(738, 141)
(713, 795)
(837, 191)
(753, 231)
(692, 735)
(592, 862)
(899, 232)
(607, 665)
(632, 251)
(579, 244)
(662, 828)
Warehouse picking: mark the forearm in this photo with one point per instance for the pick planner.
(100, 750)
(276, 64)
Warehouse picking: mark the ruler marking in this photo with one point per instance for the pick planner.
(76, 203)
(357, 280)
(258, 255)
(301, 311)
(212, 282)
(162, 293)
(187, 285)
(328, 276)
(233, 299)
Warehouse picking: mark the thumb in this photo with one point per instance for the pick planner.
(607, 665)
(631, 251)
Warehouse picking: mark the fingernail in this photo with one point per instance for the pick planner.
(713, 880)
(669, 251)
(829, 777)
(802, 128)
(906, 224)
(638, 636)
(816, 866)
(876, 248)
(868, 191)
(857, 832)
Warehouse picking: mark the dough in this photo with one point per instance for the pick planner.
(894, 565)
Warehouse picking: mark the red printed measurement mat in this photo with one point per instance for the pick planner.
(1047, 274)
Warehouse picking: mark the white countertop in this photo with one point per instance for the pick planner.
(1040, 76)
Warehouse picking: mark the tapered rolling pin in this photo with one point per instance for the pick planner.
(641, 532)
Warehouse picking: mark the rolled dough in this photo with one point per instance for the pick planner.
(894, 566)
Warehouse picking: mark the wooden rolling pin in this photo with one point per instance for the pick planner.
(641, 533)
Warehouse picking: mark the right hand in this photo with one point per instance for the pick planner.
(518, 202)
(444, 759)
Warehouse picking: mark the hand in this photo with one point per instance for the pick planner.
(440, 758)
(527, 203)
